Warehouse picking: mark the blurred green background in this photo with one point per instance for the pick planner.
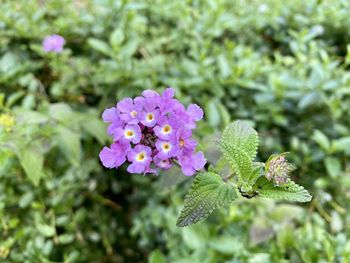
(283, 65)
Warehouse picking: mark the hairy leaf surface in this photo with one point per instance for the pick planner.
(291, 191)
(242, 136)
(207, 192)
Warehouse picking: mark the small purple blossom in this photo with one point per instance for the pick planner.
(129, 110)
(191, 162)
(165, 129)
(153, 132)
(115, 156)
(53, 43)
(186, 143)
(166, 149)
(164, 164)
(130, 133)
(140, 158)
(112, 116)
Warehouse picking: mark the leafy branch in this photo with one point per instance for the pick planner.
(239, 144)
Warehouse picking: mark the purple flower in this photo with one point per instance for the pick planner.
(166, 149)
(165, 129)
(194, 113)
(116, 155)
(191, 162)
(140, 158)
(53, 43)
(186, 143)
(152, 132)
(111, 115)
(150, 115)
(130, 133)
(129, 110)
(152, 97)
(167, 103)
(164, 164)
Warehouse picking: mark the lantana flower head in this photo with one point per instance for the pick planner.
(53, 43)
(152, 132)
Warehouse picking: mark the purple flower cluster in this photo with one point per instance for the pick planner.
(153, 131)
(53, 43)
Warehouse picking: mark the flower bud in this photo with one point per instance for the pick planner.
(277, 169)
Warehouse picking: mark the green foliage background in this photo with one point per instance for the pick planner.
(283, 65)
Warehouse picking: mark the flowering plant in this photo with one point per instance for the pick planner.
(152, 132)
(247, 178)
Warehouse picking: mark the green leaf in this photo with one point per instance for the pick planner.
(321, 139)
(343, 144)
(207, 192)
(60, 111)
(239, 143)
(100, 46)
(333, 166)
(239, 160)
(66, 238)
(225, 115)
(309, 100)
(224, 66)
(290, 191)
(69, 143)
(96, 128)
(212, 113)
(256, 173)
(156, 257)
(32, 161)
(116, 38)
(26, 200)
(242, 136)
(46, 230)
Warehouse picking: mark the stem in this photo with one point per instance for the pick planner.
(228, 177)
(176, 163)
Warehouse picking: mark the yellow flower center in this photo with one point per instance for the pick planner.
(140, 156)
(166, 147)
(166, 129)
(133, 113)
(150, 117)
(129, 133)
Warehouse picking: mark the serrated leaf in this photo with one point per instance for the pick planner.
(242, 136)
(290, 191)
(207, 192)
(239, 160)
